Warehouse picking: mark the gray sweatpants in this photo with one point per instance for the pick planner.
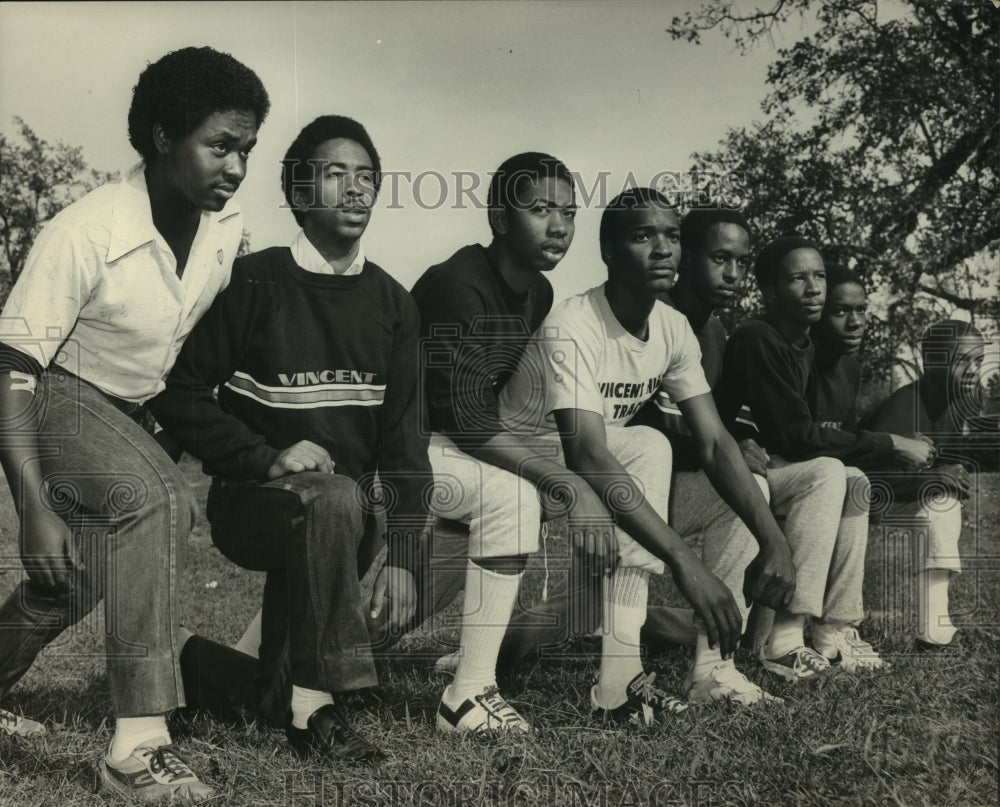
(827, 531)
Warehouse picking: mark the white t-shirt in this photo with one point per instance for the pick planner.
(582, 358)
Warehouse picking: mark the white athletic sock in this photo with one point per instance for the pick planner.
(932, 603)
(706, 659)
(131, 732)
(625, 596)
(305, 702)
(787, 633)
(249, 642)
(489, 601)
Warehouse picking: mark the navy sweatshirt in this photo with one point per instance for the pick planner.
(765, 392)
(834, 391)
(304, 356)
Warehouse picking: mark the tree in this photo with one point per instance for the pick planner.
(37, 180)
(881, 142)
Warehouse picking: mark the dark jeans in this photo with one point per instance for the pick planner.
(220, 679)
(130, 509)
(312, 536)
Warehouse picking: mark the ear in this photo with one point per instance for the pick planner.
(301, 199)
(161, 139)
(498, 220)
(767, 294)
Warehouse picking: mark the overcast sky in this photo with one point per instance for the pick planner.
(442, 87)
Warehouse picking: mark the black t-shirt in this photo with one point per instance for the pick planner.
(474, 328)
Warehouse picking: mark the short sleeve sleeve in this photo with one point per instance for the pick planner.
(684, 377)
(570, 361)
(557, 370)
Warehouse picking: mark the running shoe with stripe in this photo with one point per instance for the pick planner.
(645, 704)
(485, 712)
(800, 664)
(154, 773)
(18, 726)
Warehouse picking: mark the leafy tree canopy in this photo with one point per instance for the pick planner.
(37, 180)
(881, 142)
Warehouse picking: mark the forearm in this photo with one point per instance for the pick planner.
(528, 460)
(43, 534)
(909, 485)
(612, 483)
(800, 439)
(904, 485)
(407, 540)
(222, 442)
(19, 449)
(405, 466)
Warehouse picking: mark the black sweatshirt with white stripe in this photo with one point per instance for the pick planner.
(298, 355)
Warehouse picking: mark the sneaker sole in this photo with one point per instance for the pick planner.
(443, 725)
(790, 675)
(632, 720)
(149, 795)
(953, 648)
(764, 697)
(858, 668)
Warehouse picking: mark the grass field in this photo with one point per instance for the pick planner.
(925, 734)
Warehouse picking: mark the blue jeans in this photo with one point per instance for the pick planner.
(130, 509)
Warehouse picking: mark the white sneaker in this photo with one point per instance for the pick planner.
(485, 712)
(725, 682)
(447, 663)
(843, 648)
(18, 726)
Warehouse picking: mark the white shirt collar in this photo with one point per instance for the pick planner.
(308, 257)
(132, 217)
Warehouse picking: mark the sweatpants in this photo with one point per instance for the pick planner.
(692, 508)
(501, 508)
(826, 524)
(936, 525)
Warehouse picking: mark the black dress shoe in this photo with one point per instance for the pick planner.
(330, 735)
